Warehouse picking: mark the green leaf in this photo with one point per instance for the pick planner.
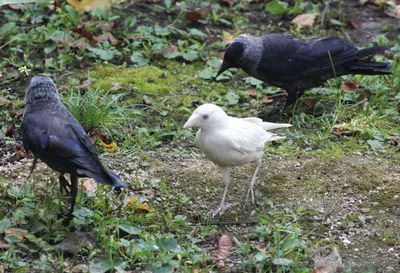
(129, 228)
(83, 212)
(105, 54)
(276, 7)
(290, 243)
(206, 74)
(4, 224)
(214, 62)
(190, 55)
(137, 58)
(8, 2)
(260, 257)
(196, 32)
(232, 98)
(8, 27)
(168, 243)
(375, 144)
(164, 269)
(335, 22)
(282, 261)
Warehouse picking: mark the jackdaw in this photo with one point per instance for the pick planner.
(296, 65)
(230, 142)
(53, 135)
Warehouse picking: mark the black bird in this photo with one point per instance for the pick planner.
(53, 135)
(296, 65)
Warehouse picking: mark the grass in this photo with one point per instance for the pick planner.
(141, 89)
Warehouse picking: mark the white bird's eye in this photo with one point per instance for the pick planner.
(205, 116)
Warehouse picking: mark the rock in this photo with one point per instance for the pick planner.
(328, 258)
(75, 242)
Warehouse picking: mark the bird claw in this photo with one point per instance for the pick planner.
(246, 194)
(222, 209)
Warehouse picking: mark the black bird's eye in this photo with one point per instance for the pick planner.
(205, 116)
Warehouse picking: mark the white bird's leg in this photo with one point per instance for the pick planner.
(223, 207)
(250, 187)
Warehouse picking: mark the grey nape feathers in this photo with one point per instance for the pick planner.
(54, 136)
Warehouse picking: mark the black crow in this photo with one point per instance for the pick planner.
(296, 65)
(53, 135)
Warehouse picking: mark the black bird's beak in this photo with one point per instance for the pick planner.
(225, 66)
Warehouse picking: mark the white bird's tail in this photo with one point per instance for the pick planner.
(267, 125)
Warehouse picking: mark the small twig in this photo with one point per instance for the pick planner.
(222, 223)
(324, 12)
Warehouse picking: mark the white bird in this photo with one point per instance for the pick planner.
(229, 142)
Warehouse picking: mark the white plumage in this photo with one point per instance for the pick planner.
(230, 142)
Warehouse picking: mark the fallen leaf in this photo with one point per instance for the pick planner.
(104, 37)
(87, 5)
(320, 270)
(80, 44)
(14, 6)
(308, 105)
(115, 86)
(305, 20)
(224, 246)
(19, 149)
(350, 85)
(169, 49)
(83, 31)
(110, 147)
(195, 16)
(3, 244)
(10, 130)
(353, 24)
(147, 100)
(88, 184)
(395, 13)
(266, 100)
(4, 102)
(251, 92)
(17, 232)
(365, 94)
(394, 142)
(107, 26)
(363, 2)
(137, 205)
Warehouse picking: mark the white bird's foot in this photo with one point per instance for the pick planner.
(222, 209)
(245, 196)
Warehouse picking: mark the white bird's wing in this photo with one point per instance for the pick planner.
(247, 137)
(267, 125)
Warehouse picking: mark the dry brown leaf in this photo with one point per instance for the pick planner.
(104, 37)
(224, 246)
(353, 24)
(195, 16)
(305, 20)
(169, 49)
(394, 142)
(251, 92)
(80, 44)
(107, 26)
(83, 31)
(350, 85)
(86, 5)
(17, 232)
(19, 149)
(88, 184)
(363, 2)
(3, 244)
(266, 100)
(365, 94)
(308, 105)
(320, 270)
(10, 130)
(147, 100)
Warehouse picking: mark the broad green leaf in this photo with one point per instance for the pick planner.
(290, 243)
(206, 74)
(276, 7)
(282, 261)
(168, 243)
(4, 224)
(105, 54)
(214, 62)
(375, 144)
(196, 32)
(137, 58)
(164, 269)
(129, 228)
(8, 2)
(8, 27)
(190, 55)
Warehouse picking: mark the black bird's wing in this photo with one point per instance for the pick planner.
(289, 59)
(64, 146)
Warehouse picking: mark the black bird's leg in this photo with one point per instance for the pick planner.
(64, 185)
(74, 192)
(35, 159)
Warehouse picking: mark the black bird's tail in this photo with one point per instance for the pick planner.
(369, 67)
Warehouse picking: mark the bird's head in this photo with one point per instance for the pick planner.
(233, 55)
(206, 116)
(41, 89)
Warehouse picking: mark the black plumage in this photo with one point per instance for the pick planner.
(296, 65)
(54, 136)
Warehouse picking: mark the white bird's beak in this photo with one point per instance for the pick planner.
(193, 121)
